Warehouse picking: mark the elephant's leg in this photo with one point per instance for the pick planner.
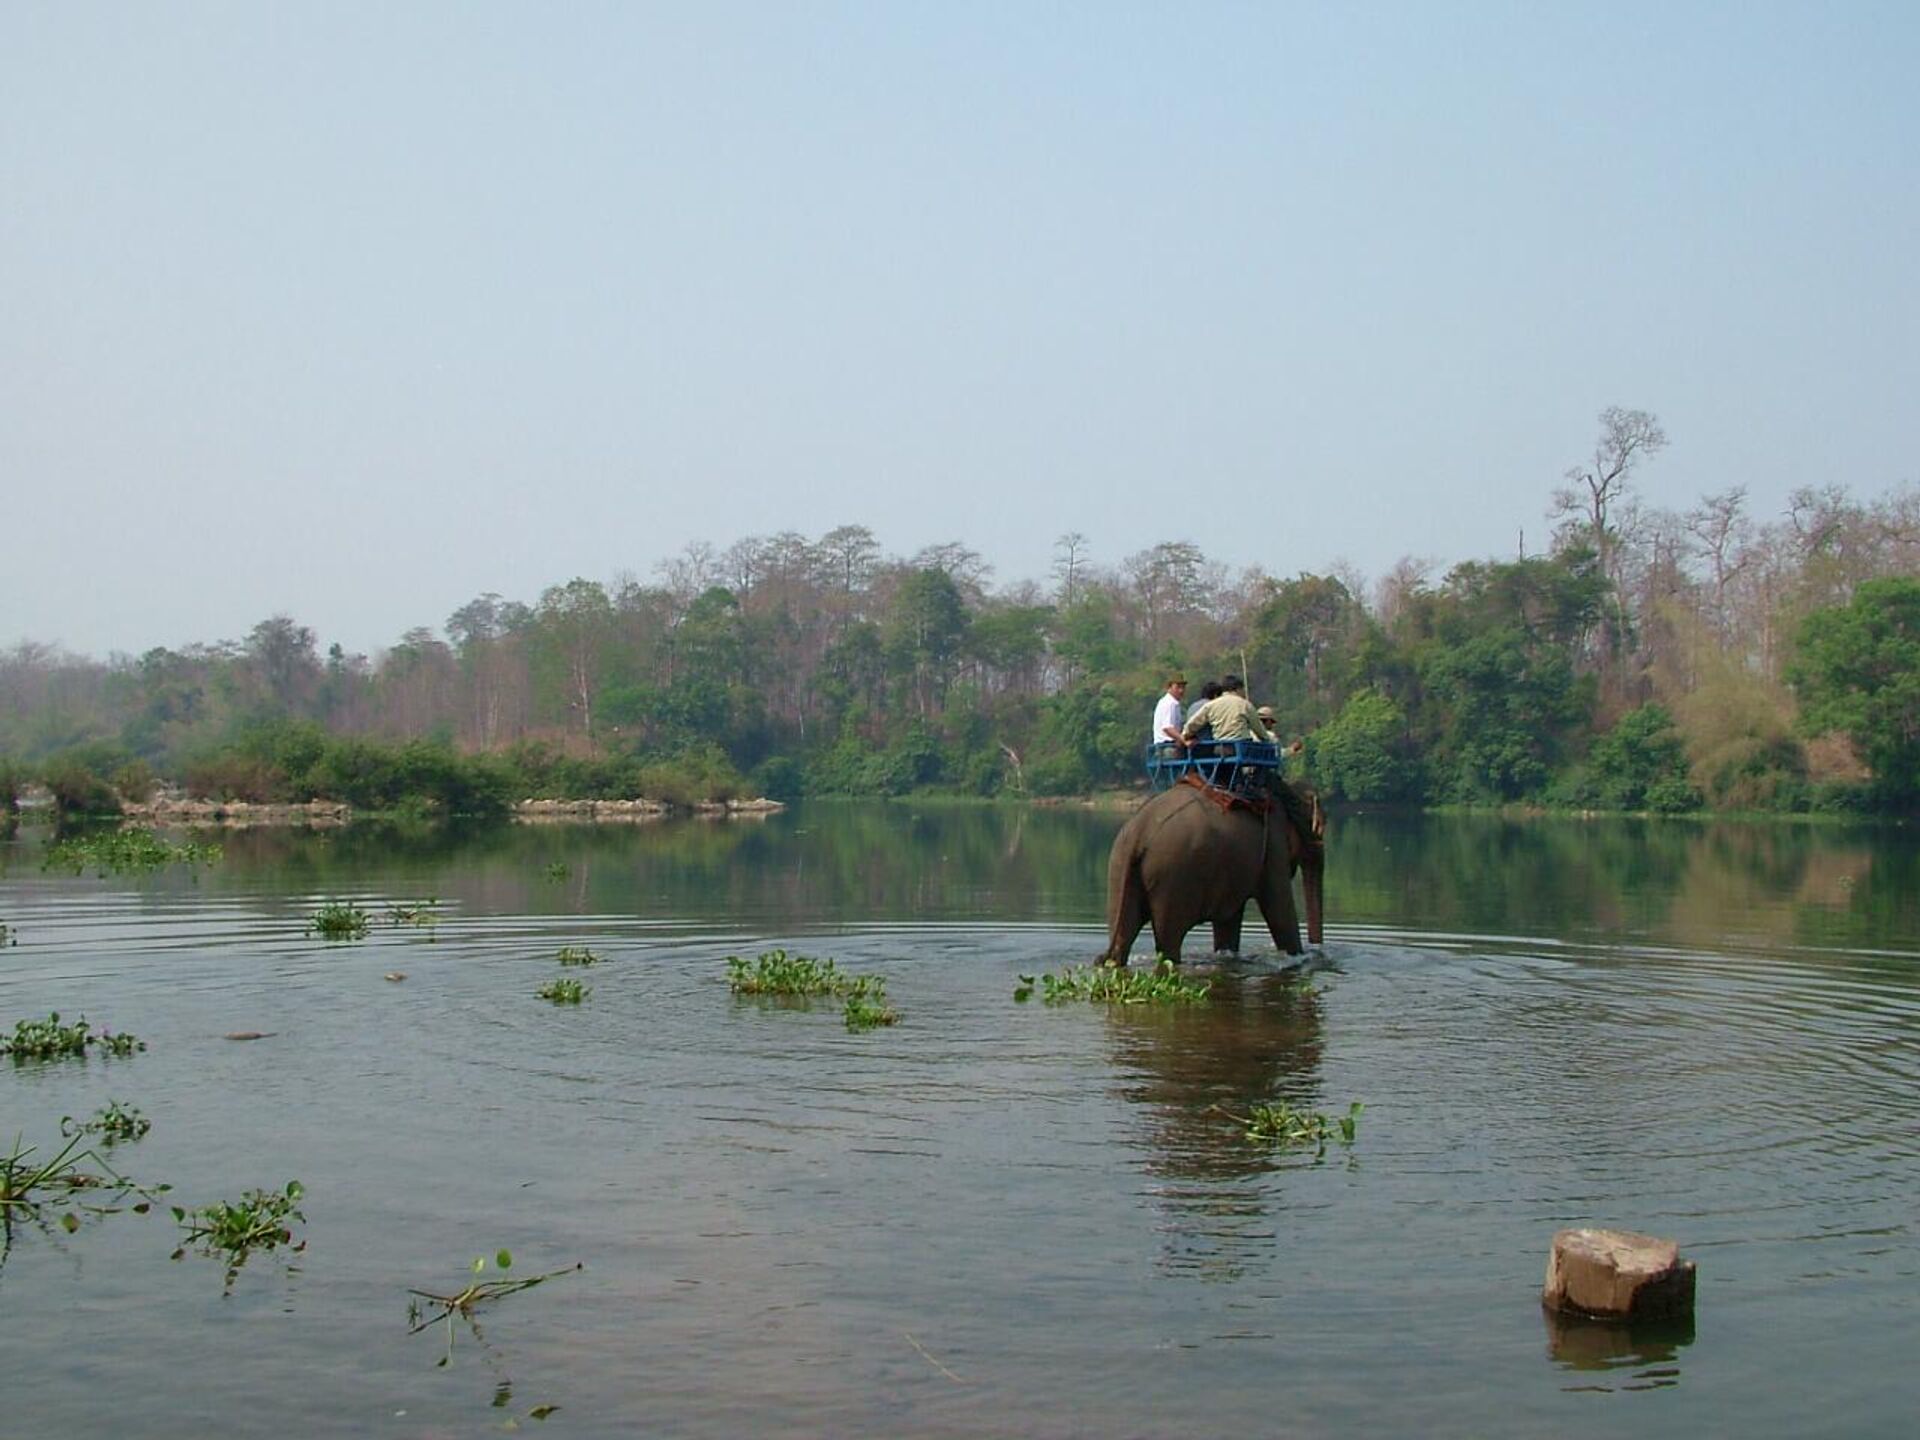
(1226, 933)
(1168, 930)
(1127, 907)
(1275, 898)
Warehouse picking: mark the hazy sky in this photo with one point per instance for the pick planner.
(356, 311)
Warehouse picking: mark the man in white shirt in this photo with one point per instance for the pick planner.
(1170, 714)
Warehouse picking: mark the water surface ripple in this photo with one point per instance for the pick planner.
(991, 1218)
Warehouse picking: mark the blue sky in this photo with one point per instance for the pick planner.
(356, 311)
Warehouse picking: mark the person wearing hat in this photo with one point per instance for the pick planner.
(1170, 714)
(1265, 712)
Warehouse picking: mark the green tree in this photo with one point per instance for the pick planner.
(925, 629)
(1361, 753)
(1303, 645)
(573, 625)
(1641, 764)
(1857, 671)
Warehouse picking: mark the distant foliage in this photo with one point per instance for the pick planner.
(790, 666)
(1361, 754)
(1858, 673)
(1640, 764)
(79, 787)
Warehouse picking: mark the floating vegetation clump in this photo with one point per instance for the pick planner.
(777, 973)
(477, 1292)
(28, 1187)
(563, 992)
(557, 871)
(421, 914)
(258, 1220)
(1113, 985)
(112, 852)
(340, 920)
(867, 1006)
(113, 1123)
(1281, 1124)
(51, 1039)
(577, 955)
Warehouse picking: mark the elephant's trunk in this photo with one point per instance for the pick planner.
(1313, 871)
(1313, 874)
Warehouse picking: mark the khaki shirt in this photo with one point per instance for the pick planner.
(1232, 718)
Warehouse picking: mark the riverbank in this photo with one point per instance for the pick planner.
(180, 811)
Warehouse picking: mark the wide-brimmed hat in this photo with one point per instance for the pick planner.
(1265, 712)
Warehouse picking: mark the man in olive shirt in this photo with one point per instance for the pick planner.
(1232, 716)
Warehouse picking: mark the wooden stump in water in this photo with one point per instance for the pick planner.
(1617, 1275)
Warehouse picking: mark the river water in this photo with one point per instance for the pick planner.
(993, 1218)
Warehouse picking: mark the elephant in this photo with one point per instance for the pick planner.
(1194, 853)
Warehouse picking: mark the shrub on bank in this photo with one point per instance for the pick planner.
(79, 786)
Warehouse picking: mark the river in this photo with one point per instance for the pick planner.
(992, 1218)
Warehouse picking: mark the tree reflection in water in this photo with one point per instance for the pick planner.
(1191, 1069)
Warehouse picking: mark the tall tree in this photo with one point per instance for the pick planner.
(283, 656)
(574, 622)
(1858, 673)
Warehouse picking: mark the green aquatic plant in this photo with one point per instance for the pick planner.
(776, 972)
(422, 914)
(46, 1039)
(576, 955)
(28, 1187)
(112, 852)
(563, 992)
(476, 1292)
(119, 1043)
(339, 920)
(866, 1004)
(51, 1039)
(258, 1220)
(113, 1123)
(1280, 1123)
(1113, 985)
(557, 871)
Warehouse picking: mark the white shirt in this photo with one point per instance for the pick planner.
(1167, 715)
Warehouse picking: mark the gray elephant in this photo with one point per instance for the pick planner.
(1188, 855)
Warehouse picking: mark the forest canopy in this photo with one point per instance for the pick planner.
(1649, 659)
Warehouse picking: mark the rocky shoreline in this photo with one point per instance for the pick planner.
(245, 814)
(628, 811)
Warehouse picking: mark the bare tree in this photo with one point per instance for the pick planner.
(848, 556)
(1587, 505)
(1404, 579)
(1170, 580)
(1070, 552)
(743, 566)
(1720, 531)
(688, 575)
(1597, 498)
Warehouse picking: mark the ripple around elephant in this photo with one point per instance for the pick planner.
(1187, 856)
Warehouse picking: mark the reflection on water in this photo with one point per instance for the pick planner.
(1648, 1351)
(990, 1219)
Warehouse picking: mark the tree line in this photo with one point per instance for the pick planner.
(1645, 658)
